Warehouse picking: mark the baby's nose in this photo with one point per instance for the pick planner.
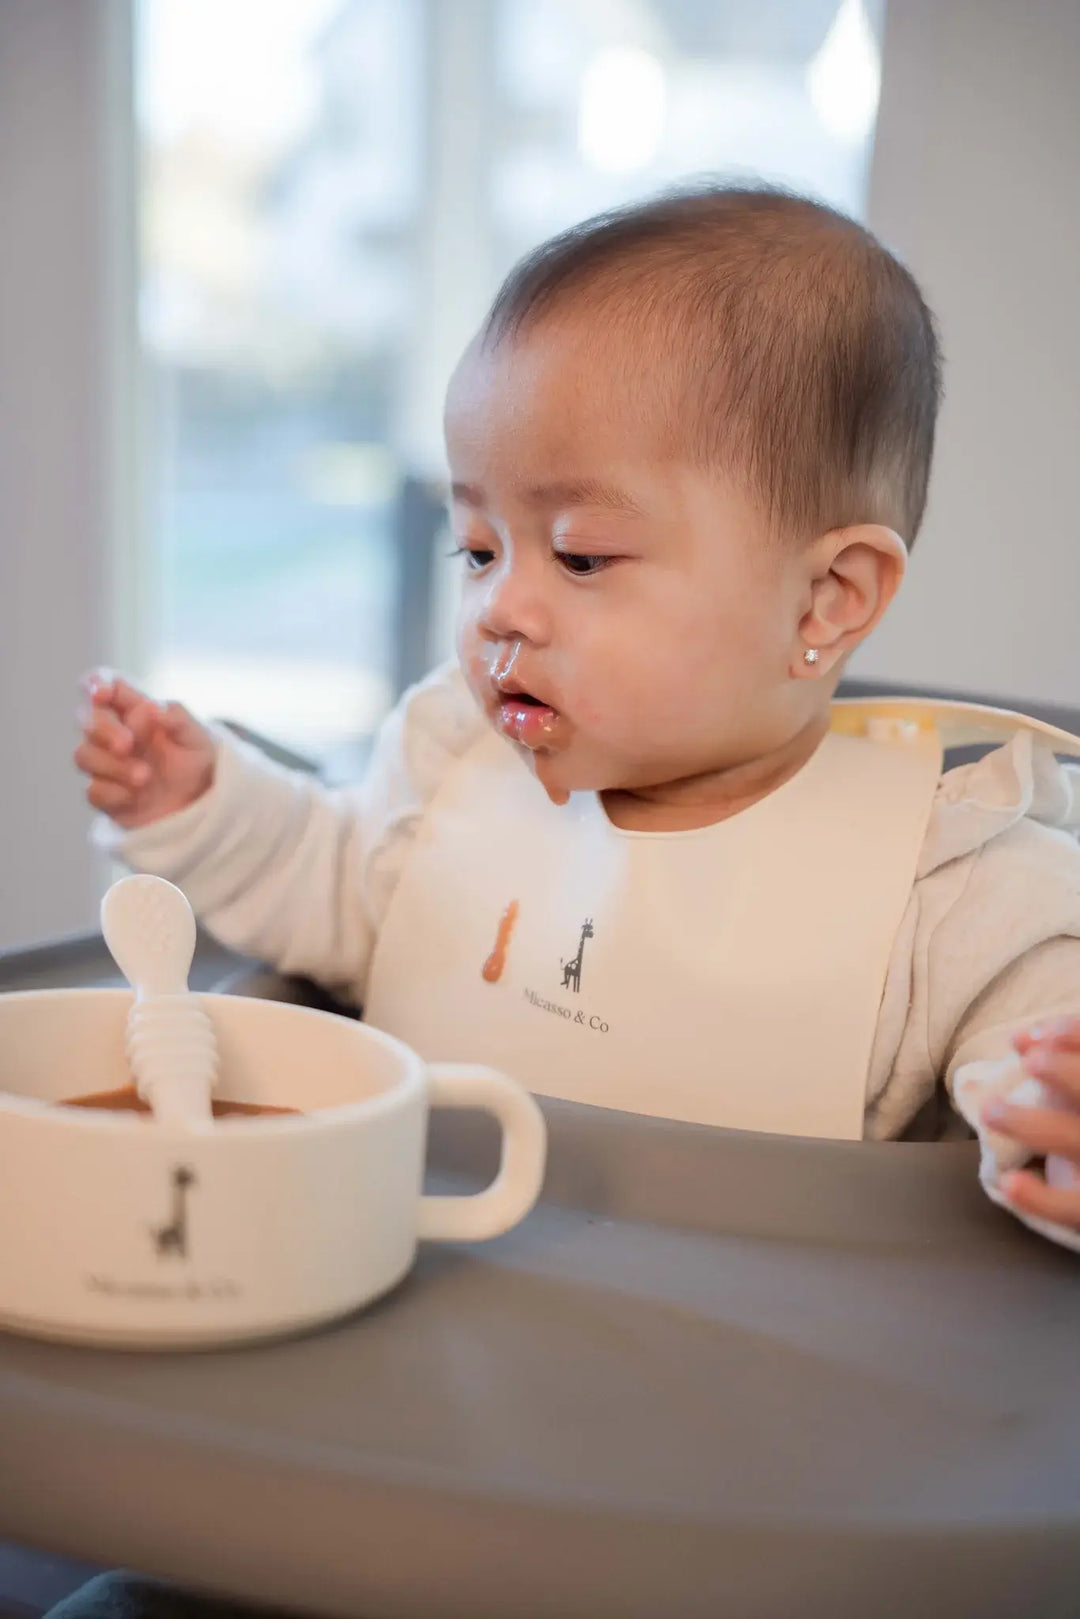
(515, 609)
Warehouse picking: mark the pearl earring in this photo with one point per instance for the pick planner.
(810, 655)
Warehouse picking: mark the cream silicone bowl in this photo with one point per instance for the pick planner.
(115, 1230)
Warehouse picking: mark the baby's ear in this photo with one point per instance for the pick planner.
(855, 573)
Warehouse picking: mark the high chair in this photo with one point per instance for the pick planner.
(715, 1373)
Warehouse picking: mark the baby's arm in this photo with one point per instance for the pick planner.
(279, 867)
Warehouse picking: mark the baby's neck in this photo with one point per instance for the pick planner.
(703, 800)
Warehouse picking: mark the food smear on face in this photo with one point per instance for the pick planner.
(503, 665)
(532, 725)
(524, 718)
(128, 1100)
(493, 967)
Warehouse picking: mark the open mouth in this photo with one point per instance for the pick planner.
(526, 718)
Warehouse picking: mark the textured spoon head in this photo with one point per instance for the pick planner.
(149, 928)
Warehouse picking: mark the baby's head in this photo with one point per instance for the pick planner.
(690, 445)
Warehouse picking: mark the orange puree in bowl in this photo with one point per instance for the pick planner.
(128, 1100)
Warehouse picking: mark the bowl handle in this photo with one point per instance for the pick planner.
(516, 1187)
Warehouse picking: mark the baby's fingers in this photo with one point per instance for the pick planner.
(1057, 1065)
(183, 728)
(132, 709)
(111, 797)
(104, 765)
(104, 730)
(1030, 1194)
(98, 684)
(1062, 1032)
(106, 688)
(1045, 1130)
(142, 720)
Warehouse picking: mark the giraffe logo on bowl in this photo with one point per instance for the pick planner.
(172, 1237)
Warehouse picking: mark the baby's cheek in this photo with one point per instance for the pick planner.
(470, 653)
(591, 713)
(619, 717)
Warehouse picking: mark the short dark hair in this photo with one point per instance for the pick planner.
(807, 358)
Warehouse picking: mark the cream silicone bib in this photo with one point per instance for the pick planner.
(729, 976)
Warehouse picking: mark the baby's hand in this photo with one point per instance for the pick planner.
(1050, 1053)
(145, 760)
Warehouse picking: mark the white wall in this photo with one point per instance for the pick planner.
(59, 349)
(976, 183)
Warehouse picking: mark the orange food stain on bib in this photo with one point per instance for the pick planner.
(495, 963)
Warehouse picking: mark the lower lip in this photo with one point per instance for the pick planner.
(530, 724)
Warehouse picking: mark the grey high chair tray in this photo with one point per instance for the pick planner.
(713, 1375)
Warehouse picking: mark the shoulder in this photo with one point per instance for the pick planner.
(433, 726)
(993, 924)
(999, 873)
(1016, 804)
(443, 703)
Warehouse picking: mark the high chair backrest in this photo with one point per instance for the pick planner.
(969, 724)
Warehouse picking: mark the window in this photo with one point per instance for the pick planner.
(331, 191)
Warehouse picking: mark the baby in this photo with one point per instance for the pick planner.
(627, 848)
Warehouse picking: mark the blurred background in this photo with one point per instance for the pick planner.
(242, 243)
(331, 190)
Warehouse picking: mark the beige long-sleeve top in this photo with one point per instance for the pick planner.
(282, 868)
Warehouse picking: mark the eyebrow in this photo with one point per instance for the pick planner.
(560, 493)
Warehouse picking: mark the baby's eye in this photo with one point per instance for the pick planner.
(581, 563)
(475, 558)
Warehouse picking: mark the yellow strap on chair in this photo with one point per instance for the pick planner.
(959, 725)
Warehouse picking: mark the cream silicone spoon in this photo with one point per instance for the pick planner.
(149, 928)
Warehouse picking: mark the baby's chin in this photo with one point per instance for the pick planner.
(562, 759)
(561, 772)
